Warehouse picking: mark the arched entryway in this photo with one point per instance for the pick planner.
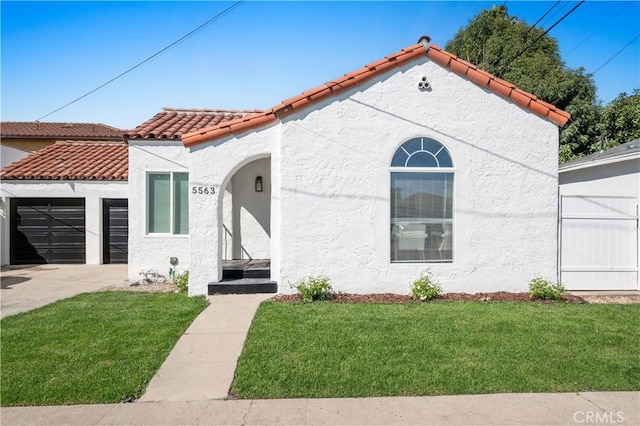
(246, 230)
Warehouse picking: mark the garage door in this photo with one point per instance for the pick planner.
(599, 243)
(47, 230)
(115, 216)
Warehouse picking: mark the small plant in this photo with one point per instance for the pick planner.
(545, 289)
(313, 288)
(182, 281)
(425, 287)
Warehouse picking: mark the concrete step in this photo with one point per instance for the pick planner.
(243, 286)
(238, 273)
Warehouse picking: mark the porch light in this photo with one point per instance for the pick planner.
(259, 184)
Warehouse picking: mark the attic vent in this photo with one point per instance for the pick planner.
(67, 125)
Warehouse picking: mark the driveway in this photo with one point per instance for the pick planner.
(28, 287)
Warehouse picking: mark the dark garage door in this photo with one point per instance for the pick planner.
(115, 215)
(47, 230)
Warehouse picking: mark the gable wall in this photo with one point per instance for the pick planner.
(334, 200)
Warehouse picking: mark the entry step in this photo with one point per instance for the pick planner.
(243, 286)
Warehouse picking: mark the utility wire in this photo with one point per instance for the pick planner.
(553, 15)
(175, 43)
(601, 27)
(616, 54)
(542, 17)
(539, 37)
(602, 66)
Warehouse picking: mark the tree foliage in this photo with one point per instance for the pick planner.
(494, 41)
(621, 119)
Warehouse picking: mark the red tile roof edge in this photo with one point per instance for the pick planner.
(374, 69)
(52, 130)
(30, 167)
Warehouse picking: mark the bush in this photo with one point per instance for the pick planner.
(545, 289)
(314, 288)
(425, 287)
(182, 281)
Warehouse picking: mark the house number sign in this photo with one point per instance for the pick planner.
(203, 190)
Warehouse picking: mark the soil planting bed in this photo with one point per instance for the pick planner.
(501, 296)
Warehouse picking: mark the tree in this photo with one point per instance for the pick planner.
(494, 41)
(621, 120)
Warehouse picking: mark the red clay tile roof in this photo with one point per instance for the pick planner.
(354, 78)
(73, 160)
(35, 129)
(172, 123)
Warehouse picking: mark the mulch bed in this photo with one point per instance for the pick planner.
(500, 296)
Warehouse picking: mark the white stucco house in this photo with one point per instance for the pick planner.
(599, 245)
(418, 160)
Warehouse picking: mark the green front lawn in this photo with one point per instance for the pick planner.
(91, 348)
(323, 350)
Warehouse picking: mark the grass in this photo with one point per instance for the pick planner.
(92, 348)
(320, 350)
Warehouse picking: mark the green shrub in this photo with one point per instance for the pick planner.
(545, 289)
(182, 281)
(425, 287)
(313, 288)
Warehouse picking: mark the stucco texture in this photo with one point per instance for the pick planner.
(330, 183)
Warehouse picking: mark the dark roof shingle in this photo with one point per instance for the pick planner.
(73, 160)
(172, 123)
(625, 149)
(35, 129)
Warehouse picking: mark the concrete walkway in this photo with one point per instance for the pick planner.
(619, 408)
(202, 364)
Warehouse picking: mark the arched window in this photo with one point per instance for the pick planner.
(422, 176)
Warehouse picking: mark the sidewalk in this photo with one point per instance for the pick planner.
(620, 408)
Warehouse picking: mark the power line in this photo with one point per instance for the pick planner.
(175, 43)
(553, 15)
(601, 66)
(539, 37)
(616, 54)
(542, 17)
(600, 28)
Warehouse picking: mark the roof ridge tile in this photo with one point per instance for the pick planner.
(354, 78)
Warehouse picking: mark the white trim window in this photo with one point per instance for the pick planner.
(168, 203)
(422, 177)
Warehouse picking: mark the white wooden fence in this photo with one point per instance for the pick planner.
(599, 243)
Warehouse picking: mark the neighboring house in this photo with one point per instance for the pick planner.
(66, 203)
(19, 138)
(418, 160)
(599, 220)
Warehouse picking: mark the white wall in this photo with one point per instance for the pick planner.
(613, 179)
(215, 165)
(252, 211)
(92, 191)
(9, 154)
(597, 242)
(330, 187)
(149, 251)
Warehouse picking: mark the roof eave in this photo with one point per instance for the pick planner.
(599, 162)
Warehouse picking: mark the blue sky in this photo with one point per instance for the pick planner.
(257, 55)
